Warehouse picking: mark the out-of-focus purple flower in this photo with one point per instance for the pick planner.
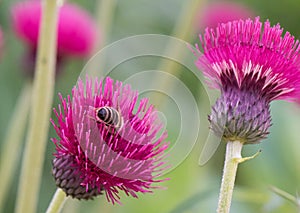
(77, 31)
(252, 64)
(93, 155)
(221, 12)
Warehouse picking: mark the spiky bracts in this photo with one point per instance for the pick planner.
(101, 158)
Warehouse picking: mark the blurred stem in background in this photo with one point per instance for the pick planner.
(42, 95)
(185, 30)
(286, 196)
(104, 13)
(11, 150)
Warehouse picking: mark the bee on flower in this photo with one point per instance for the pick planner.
(101, 149)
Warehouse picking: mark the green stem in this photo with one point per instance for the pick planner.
(232, 158)
(43, 88)
(57, 201)
(185, 30)
(286, 196)
(104, 12)
(11, 149)
(233, 153)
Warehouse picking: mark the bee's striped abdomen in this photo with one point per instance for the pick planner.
(109, 116)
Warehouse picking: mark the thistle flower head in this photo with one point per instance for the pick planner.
(252, 64)
(77, 32)
(96, 153)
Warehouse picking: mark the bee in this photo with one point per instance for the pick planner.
(110, 117)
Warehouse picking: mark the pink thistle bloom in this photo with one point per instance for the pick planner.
(77, 31)
(222, 12)
(252, 64)
(108, 141)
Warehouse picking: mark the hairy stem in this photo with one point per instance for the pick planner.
(233, 154)
(42, 95)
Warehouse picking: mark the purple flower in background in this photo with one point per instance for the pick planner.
(77, 31)
(221, 12)
(252, 64)
(108, 141)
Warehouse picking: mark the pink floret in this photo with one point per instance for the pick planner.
(250, 48)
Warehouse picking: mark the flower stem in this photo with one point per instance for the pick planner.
(57, 201)
(42, 95)
(233, 152)
(232, 158)
(11, 149)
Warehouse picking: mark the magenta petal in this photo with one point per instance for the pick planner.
(258, 51)
(77, 31)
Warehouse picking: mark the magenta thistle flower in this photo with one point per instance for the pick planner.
(77, 31)
(108, 141)
(252, 65)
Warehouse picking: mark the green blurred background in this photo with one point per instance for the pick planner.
(192, 188)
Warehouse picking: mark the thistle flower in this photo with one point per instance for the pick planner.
(77, 31)
(251, 66)
(221, 12)
(94, 154)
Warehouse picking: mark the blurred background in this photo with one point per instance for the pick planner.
(191, 188)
